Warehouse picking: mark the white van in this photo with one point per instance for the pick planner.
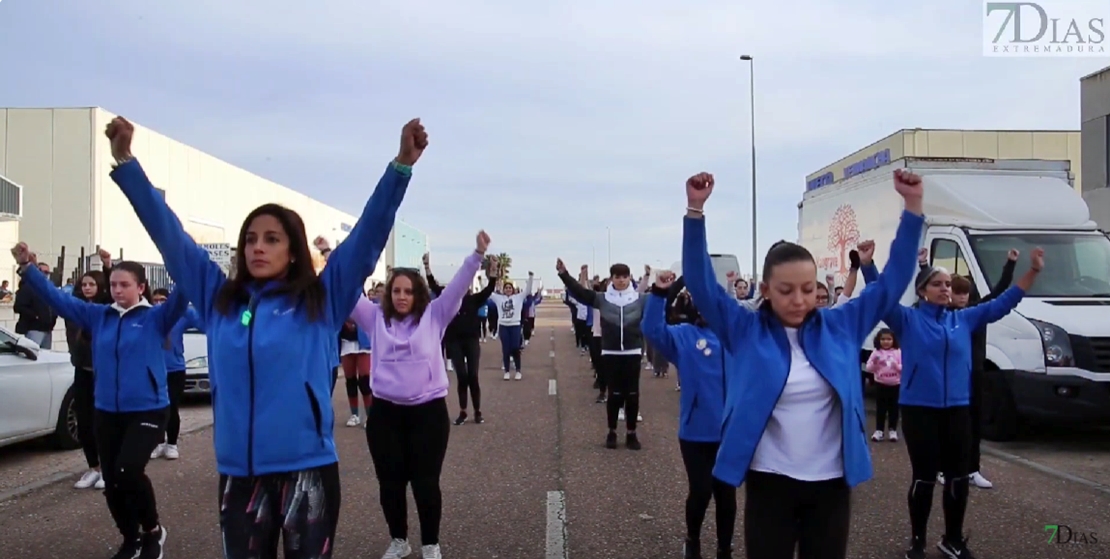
(1048, 360)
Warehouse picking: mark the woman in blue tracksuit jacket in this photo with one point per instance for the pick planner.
(794, 422)
(174, 354)
(935, 395)
(695, 351)
(130, 390)
(272, 348)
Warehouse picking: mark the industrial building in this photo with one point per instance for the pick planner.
(1094, 110)
(1053, 145)
(56, 194)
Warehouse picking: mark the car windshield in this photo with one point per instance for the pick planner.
(1076, 265)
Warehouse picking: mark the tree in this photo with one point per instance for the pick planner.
(506, 262)
(843, 234)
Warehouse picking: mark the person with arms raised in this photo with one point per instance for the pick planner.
(174, 352)
(272, 347)
(408, 426)
(793, 429)
(130, 390)
(509, 304)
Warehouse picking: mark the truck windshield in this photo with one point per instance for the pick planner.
(1076, 265)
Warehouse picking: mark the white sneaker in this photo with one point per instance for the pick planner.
(88, 479)
(518, 376)
(620, 415)
(649, 367)
(677, 387)
(981, 482)
(430, 552)
(525, 345)
(639, 417)
(99, 483)
(398, 549)
(354, 421)
(940, 478)
(450, 367)
(507, 376)
(892, 436)
(159, 451)
(171, 453)
(877, 436)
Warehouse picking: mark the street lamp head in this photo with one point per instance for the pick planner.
(745, 57)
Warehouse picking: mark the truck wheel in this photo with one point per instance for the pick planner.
(1000, 420)
(65, 433)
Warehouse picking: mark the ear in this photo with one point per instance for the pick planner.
(764, 288)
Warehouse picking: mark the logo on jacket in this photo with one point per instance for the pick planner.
(508, 309)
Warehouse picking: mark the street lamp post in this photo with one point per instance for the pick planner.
(751, 95)
(609, 246)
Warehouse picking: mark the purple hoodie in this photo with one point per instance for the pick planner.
(407, 362)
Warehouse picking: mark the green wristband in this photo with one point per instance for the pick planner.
(402, 168)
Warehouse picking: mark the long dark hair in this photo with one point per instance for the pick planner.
(102, 295)
(300, 282)
(421, 295)
(885, 332)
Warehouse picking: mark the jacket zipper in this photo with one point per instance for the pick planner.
(945, 387)
(622, 328)
(119, 332)
(251, 307)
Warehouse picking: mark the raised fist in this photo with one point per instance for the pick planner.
(585, 268)
(665, 279)
(103, 254)
(493, 268)
(119, 133)
(1036, 259)
(321, 243)
(22, 254)
(562, 268)
(698, 189)
(923, 256)
(731, 275)
(866, 252)
(830, 281)
(908, 184)
(481, 243)
(425, 260)
(413, 141)
(1013, 255)
(853, 259)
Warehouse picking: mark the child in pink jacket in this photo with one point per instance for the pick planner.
(885, 365)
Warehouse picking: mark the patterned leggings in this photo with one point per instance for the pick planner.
(301, 509)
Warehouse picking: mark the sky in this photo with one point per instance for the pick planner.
(563, 128)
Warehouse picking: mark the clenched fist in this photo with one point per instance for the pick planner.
(866, 252)
(120, 132)
(559, 266)
(321, 244)
(481, 244)
(414, 139)
(22, 254)
(665, 279)
(698, 189)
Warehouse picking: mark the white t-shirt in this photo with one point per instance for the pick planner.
(804, 436)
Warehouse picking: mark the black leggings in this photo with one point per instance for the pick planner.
(782, 514)
(886, 407)
(483, 322)
(975, 411)
(623, 383)
(175, 381)
(938, 440)
(124, 442)
(582, 334)
(83, 403)
(465, 354)
(408, 445)
(699, 459)
(301, 509)
(595, 360)
(529, 323)
(492, 321)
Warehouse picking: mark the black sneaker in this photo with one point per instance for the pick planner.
(955, 550)
(915, 552)
(632, 441)
(611, 440)
(129, 549)
(691, 550)
(461, 418)
(600, 399)
(152, 544)
(724, 553)
(478, 418)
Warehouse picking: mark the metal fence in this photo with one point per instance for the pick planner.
(70, 267)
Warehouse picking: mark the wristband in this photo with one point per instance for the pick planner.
(402, 168)
(695, 210)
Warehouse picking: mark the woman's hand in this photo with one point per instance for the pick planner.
(119, 133)
(909, 185)
(23, 255)
(414, 139)
(1036, 259)
(866, 252)
(665, 279)
(698, 189)
(321, 244)
(481, 244)
(559, 266)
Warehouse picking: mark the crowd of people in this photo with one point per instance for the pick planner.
(770, 392)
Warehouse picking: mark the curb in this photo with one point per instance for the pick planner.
(63, 476)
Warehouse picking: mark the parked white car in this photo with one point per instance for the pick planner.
(196, 363)
(36, 393)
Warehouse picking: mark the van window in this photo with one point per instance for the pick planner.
(1076, 264)
(947, 254)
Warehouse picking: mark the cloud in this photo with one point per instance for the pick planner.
(550, 122)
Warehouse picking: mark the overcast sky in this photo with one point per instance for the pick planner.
(550, 121)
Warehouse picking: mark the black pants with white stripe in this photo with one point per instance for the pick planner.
(783, 514)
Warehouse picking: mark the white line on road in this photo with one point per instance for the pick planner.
(551, 387)
(556, 525)
(551, 354)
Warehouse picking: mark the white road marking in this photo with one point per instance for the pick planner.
(551, 354)
(551, 387)
(556, 526)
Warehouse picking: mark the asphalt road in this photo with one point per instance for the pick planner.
(537, 462)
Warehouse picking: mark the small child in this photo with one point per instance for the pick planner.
(886, 366)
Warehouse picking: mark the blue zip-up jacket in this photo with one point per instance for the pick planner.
(697, 353)
(483, 311)
(271, 367)
(175, 354)
(936, 346)
(127, 346)
(831, 339)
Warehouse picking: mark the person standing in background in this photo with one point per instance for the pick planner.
(36, 318)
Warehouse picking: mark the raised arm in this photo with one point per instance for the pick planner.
(853, 274)
(365, 313)
(481, 297)
(654, 323)
(354, 259)
(446, 306)
(581, 294)
(991, 311)
(728, 320)
(1004, 280)
(880, 301)
(528, 284)
(67, 306)
(170, 312)
(188, 264)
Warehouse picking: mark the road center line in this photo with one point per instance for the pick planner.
(551, 354)
(551, 387)
(556, 525)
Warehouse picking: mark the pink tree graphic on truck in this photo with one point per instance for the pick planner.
(843, 235)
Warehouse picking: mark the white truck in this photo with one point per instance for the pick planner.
(1049, 360)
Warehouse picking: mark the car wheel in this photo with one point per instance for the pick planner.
(65, 432)
(1000, 421)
